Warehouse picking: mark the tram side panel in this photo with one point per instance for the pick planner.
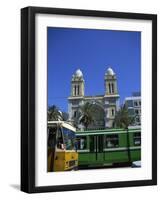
(114, 150)
(124, 152)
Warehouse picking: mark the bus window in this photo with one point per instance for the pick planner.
(52, 137)
(82, 142)
(137, 139)
(69, 139)
(112, 141)
(59, 139)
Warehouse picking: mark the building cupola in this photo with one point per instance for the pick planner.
(77, 86)
(110, 82)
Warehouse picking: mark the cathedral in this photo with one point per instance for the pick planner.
(107, 104)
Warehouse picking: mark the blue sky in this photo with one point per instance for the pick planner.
(92, 51)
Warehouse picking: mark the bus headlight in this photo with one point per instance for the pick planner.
(66, 164)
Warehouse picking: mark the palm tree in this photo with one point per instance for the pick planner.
(123, 120)
(54, 114)
(65, 116)
(86, 114)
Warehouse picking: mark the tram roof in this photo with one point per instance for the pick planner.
(109, 131)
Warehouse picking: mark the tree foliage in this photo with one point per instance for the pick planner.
(54, 114)
(87, 114)
(122, 118)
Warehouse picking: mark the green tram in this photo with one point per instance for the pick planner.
(108, 147)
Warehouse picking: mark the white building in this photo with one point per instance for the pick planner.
(107, 103)
(133, 104)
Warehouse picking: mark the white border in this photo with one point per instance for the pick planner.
(91, 176)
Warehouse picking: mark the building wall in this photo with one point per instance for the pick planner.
(133, 105)
(107, 104)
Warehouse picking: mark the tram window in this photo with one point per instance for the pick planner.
(112, 141)
(92, 143)
(137, 139)
(82, 143)
(100, 143)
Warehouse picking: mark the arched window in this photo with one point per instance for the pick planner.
(109, 87)
(75, 88)
(112, 87)
(75, 114)
(112, 112)
(78, 90)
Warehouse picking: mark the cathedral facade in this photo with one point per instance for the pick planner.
(107, 104)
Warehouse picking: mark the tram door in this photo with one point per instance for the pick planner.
(96, 147)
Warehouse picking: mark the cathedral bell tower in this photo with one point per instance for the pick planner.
(111, 97)
(77, 86)
(110, 82)
(77, 94)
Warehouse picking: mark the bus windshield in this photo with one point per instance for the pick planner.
(69, 139)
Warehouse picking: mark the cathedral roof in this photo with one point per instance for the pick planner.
(78, 73)
(110, 71)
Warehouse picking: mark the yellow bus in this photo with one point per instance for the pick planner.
(62, 153)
